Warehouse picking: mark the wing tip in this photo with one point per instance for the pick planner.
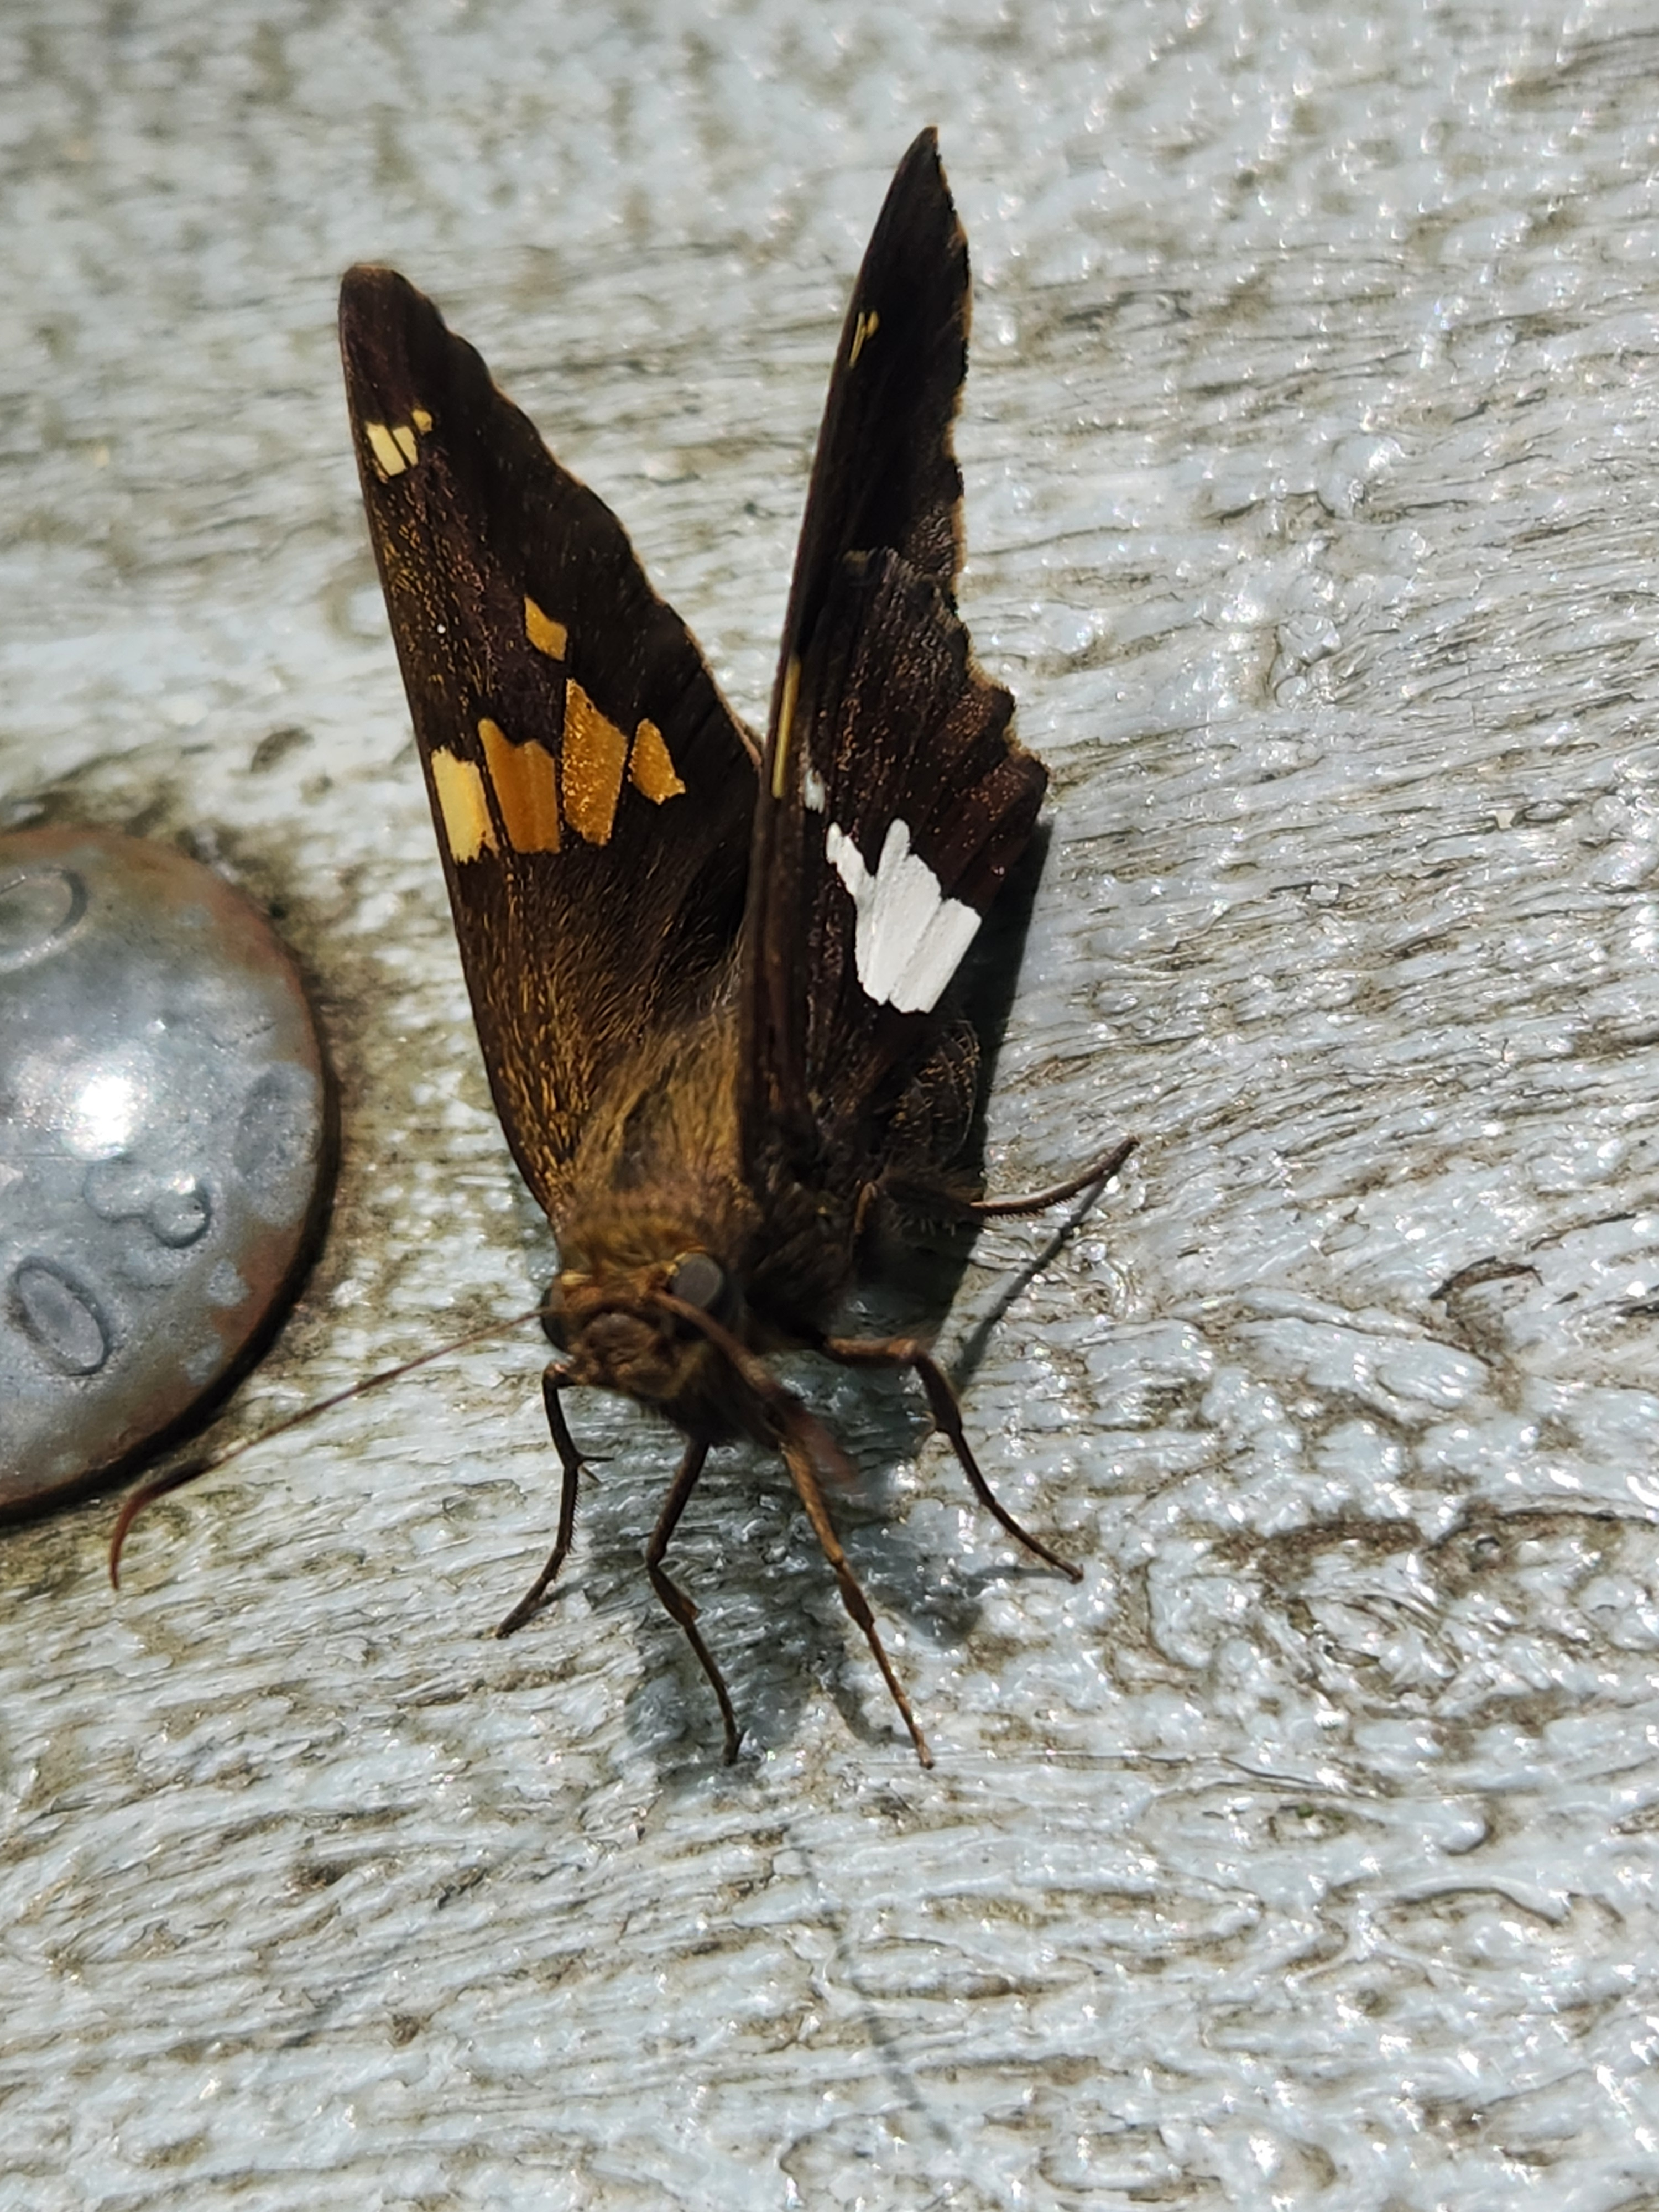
(921, 175)
(368, 290)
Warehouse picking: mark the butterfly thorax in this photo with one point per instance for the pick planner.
(666, 1214)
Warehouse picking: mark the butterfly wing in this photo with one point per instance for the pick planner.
(593, 794)
(893, 799)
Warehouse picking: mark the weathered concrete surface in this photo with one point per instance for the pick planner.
(1304, 1856)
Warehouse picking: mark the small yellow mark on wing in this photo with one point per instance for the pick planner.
(652, 769)
(864, 329)
(595, 755)
(395, 448)
(390, 459)
(785, 716)
(525, 779)
(460, 785)
(547, 635)
(420, 419)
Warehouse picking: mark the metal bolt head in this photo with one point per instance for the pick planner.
(165, 1149)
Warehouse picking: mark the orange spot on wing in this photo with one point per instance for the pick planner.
(389, 457)
(460, 792)
(595, 755)
(786, 720)
(651, 769)
(525, 779)
(547, 635)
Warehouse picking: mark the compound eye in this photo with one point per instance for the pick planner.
(699, 1280)
(555, 1314)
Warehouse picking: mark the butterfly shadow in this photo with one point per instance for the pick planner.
(768, 1600)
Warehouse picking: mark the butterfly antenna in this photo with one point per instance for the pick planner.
(175, 1478)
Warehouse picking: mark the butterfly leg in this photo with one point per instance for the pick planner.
(674, 1601)
(554, 1378)
(852, 1595)
(1096, 1174)
(906, 1191)
(905, 1351)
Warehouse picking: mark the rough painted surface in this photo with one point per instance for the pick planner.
(1305, 1856)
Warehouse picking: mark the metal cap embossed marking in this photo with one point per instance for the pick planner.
(166, 1149)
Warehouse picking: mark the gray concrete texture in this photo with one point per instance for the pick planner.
(1304, 1855)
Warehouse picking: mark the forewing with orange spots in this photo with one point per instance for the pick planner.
(592, 792)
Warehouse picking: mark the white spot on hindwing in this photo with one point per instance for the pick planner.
(813, 792)
(910, 937)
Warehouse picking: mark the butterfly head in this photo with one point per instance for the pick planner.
(668, 1335)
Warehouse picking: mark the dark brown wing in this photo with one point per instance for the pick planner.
(592, 793)
(893, 800)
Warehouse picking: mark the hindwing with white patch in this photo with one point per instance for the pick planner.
(906, 803)
(592, 793)
(893, 799)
